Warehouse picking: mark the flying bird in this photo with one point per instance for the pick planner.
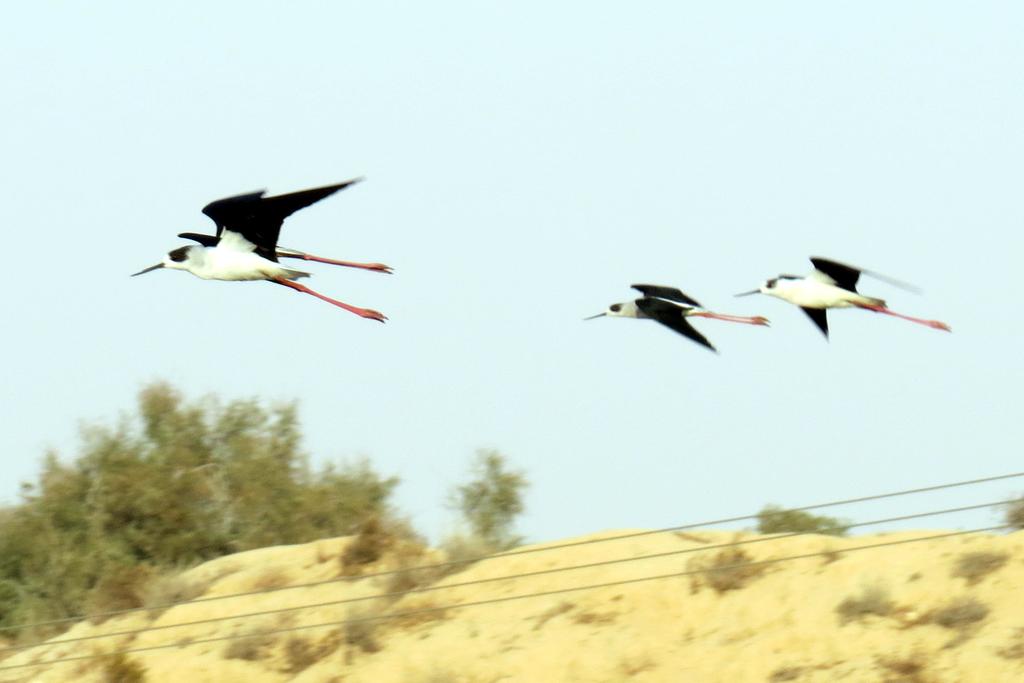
(833, 285)
(245, 245)
(671, 308)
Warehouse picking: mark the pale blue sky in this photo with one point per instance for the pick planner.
(525, 163)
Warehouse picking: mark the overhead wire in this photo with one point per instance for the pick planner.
(516, 552)
(509, 598)
(395, 595)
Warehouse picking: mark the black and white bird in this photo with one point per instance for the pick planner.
(671, 308)
(833, 285)
(245, 246)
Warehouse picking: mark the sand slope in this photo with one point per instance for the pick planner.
(908, 617)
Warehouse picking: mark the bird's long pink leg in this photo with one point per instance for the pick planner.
(379, 267)
(362, 312)
(934, 324)
(755, 320)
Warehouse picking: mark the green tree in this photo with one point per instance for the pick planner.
(178, 483)
(774, 519)
(491, 501)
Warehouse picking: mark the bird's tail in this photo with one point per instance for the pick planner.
(295, 274)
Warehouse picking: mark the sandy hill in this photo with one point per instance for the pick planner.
(949, 610)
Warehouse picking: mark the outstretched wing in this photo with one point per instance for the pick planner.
(845, 276)
(670, 293)
(671, 316)
(840, 274)
(259, 218)
(205, 240)
(819, 317)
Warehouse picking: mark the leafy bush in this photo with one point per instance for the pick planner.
(773, 519)
(176, 484)
(491, 501)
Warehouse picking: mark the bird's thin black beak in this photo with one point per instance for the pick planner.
(753, 291)
(599, 315)
(146, 270)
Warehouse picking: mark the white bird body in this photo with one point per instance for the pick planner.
(233, 259)
(812, 292)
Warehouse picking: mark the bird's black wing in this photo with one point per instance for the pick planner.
(233, 210)
(671, 316)
(819, 317)
(845, 276)
(259, 218)
(670, 293)
(205, 240)
(834, 269)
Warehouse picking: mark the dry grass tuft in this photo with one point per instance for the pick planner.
(977, 565)
(121, 588)
(599, 618)
(786, 673)
(960, 613)
(463, 551)
(728, 570)
(794, 672)
(1015, 513)
(362, 635)
(418, 613)
(830, 555)
(631, 666)
(271, 578)
(408, 555)
(166, 590)
(448, 676)
(872, 600)
(118, 668)
(300, 652)
(1015, 650)
(911, 668)
(251, 648)
(550, 613)
(372, 540)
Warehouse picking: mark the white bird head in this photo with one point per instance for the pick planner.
(626, 309)
(176, 259)
(771, 287)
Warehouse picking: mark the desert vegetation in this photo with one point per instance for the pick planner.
(729, 569)
(1014, 517)
(872, 600)
(774, 519)
(178, 482)
(975, 566)
(488, 505)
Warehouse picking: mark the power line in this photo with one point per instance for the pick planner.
(509, 577)
(517, 552)
(510, 598)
